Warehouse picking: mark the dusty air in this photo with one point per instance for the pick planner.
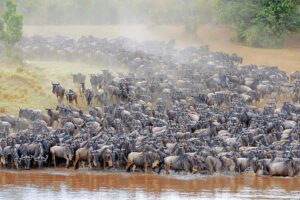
(149, 99)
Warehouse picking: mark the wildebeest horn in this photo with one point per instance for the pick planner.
(45, 158)
(94, 153)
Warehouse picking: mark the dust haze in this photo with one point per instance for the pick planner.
(96, 90)
(148, 20)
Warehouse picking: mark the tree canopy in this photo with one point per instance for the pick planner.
(11, 25)
(260, 23)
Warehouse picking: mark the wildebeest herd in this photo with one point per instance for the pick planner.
(187, 109)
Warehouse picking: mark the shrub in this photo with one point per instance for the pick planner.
(260, 23)
(11, 26)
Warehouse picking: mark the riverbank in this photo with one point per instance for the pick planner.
(110, 185)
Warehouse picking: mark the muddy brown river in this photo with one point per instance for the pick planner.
(67, 184)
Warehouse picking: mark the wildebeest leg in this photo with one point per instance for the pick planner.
(54, 160)
(76, 163)
(51, 122)
(68, 163)
(145, 167)
(104, 164)
(167, 168)
(15, 164)
(239, 169)
(133, 168)
(128, 166)
(117, 165)
(58, 98)
(90, 163)
(1, 162)
(34, 163)
(61, 98)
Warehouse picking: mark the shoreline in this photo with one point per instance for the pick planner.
(91, 180)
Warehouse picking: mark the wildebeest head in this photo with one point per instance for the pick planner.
(23, 112)
(71, 152)
(46, 144)
(107, 156)
(49, 111)
(40, 160)
(27, 160)
(54, 86)
(200, 162)
(33, 115)
(18, 163)
(96, 158)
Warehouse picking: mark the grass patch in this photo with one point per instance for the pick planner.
(22, 86)
(30, 85)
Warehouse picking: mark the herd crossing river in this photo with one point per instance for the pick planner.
(184, 110)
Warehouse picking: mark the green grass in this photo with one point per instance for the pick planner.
(30, 85)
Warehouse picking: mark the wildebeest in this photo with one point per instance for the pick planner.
(83, 154)
(78, 78)
(65, 152)
(186, 109)
(59, 91)
(71, 96)
(89, 95)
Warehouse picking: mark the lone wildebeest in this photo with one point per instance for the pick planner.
(59, 91)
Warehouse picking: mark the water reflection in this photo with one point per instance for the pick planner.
(67, 184)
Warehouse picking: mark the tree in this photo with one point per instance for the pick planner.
(11, 26)
(261, 23)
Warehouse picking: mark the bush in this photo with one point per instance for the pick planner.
(260, 36)
(260, 23)
(11, 26)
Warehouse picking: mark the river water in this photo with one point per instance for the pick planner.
(67, 184)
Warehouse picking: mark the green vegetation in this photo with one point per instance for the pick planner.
(261, 23)
(11, 26)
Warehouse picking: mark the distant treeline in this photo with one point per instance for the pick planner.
(261, 23)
